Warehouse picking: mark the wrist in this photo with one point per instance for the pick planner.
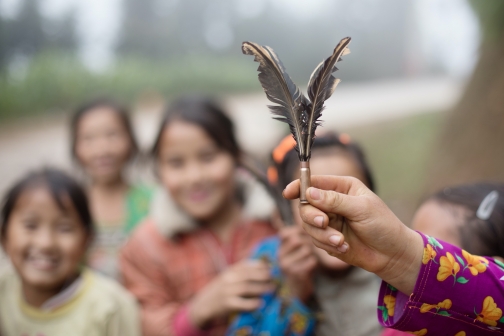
(199, 312)
(404, 266)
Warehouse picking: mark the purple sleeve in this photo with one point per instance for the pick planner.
(456, 293)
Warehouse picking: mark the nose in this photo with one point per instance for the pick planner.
(45, 239)
(195, 173)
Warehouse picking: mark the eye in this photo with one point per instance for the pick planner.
(112, 134)
(30, 224)
(174, 162)
(86, 138)
(65, 227)
(208, 156)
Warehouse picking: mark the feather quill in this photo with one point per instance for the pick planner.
(281, 90)
(321, 86)
(292, 107)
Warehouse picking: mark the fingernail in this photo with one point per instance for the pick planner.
(315, 193)
(343, 248)
(319, 221)
(335, 240)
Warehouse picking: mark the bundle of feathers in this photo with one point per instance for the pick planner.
(292, 107)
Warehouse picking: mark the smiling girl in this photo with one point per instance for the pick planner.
(185, 263)
(103, 144)
(46, 229)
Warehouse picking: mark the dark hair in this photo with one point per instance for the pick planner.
(207, 114)
(331, 140)
(59, 184)
(121, 111)
(489, 232)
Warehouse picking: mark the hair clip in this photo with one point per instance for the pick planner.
(344, 138)
(286, 145)
(272, 174)
(487, 205)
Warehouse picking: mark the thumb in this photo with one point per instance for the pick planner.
(333, 202)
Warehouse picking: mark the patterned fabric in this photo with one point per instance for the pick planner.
(456, 294)
(110, 238)
(281, 314)
(165, 273)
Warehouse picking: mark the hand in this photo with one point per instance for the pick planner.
(236, 289)
(350, 222)
(297, 261)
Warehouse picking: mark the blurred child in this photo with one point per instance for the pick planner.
(308, 279)
(103, 144)
(468, 216)
(46, 229)
(185, 262)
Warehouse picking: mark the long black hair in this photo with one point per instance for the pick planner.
(207, 114)
(60, 186)
(479, 235)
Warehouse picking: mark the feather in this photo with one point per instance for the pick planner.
(321, 86)
(280, 89)
(292, 107)
(259, 172)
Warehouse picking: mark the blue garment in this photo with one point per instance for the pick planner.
(280, 313)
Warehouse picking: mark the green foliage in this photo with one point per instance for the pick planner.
(60, 82)
(491, 15)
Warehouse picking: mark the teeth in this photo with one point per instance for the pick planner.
(42, 261)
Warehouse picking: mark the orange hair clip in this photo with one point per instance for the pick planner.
(286, 145)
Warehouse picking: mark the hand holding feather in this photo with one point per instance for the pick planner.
(291, 106)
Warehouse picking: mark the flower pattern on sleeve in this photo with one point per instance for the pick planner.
(490, 314)
(471, 304)
(475, 264)
(449, 267)
(429, 254)
(441, 308)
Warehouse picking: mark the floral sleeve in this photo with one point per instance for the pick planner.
(456, 293)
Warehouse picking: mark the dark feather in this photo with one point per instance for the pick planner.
(281, 90)
(320, 87)
(259, 171)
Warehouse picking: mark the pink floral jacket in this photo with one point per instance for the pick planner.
(456, 294)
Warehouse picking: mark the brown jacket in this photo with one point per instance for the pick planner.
(169, 258)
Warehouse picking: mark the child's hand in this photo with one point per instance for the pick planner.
(349, 221)
(297, 261)
(236, 289)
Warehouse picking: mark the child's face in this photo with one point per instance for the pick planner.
(45, 243)
(439, 221)
(197, 173)
(341, 164)
(102, 145)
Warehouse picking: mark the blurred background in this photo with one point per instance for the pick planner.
(422, 90)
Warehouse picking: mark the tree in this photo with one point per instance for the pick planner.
(471, 144)
(25, 33)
